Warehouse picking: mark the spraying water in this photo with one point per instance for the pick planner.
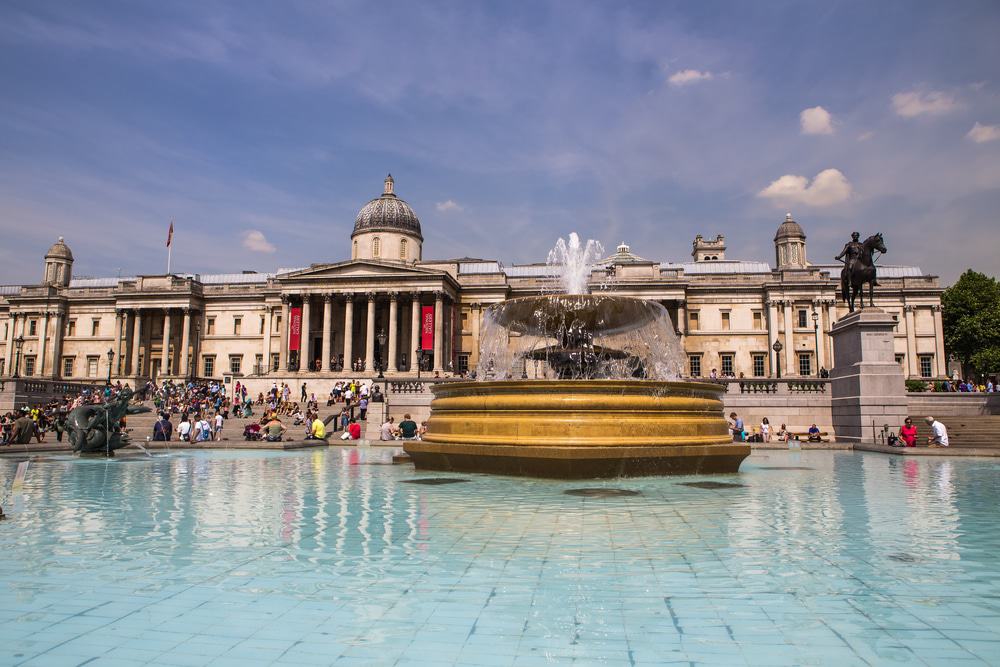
(576, 261)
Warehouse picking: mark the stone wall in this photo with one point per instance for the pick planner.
(797, 404)
(952, 405)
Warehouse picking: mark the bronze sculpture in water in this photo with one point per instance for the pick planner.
(96, 429)
(859, 269)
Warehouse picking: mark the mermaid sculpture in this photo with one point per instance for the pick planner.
(96, 429)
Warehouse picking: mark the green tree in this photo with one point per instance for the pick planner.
(971, 315)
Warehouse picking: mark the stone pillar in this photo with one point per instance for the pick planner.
(818, 337)
(789, 341)
(185, 360)
(165, 352)
(475, 322)
(43, 334)
(119, 334)
(370, 335)
(438, 331)
(682, 328)
(349, 332)
(283, 349)
(940, 362)
(415, 331)
(305, 349)
(58, 331)
(393, 326)
(911, 342)
(136, 341)
(327, 314)
(866, 384)
(265, 344)
(11, 335)
(772, 334)
(831, 317)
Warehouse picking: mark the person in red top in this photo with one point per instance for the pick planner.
(354, 428)
(908, 433)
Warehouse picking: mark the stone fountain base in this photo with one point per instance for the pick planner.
(578, 429)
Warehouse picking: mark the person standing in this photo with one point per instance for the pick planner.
(305, 396)
(736, 427)
(184, 429)
(219, 423)
(363, 407)
(939, 433)
(765, 430)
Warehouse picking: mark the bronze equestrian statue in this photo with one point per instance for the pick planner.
(96, 429)
(859, 268)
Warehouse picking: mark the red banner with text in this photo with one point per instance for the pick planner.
(427, 327)
(294, 328)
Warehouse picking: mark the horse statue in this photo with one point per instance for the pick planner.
(859, 268)
(97, 428)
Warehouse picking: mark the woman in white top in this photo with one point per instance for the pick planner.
(765, 429)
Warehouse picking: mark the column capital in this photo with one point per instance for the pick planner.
(166, 310)
(393, 295)
(371, 296)
(438, 295)
(327, 297)
(907, 308)
(286, 299)
(186, 310)
(936, 308)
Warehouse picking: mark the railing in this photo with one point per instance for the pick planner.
(407, 387)
(774, 386)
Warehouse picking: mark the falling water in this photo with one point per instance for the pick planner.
(576, 261)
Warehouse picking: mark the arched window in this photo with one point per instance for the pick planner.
(376, 246)
(354, 255)
(795, 253)
(402, 248)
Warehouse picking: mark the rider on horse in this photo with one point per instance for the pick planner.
(852, 253)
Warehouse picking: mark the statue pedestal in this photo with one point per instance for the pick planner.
(867, 385)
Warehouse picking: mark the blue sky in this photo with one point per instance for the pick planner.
(261, 129)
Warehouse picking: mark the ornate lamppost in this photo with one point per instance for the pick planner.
(111, 357)
(815, 319)
(18, 344)
(380, 337)
(777, 347)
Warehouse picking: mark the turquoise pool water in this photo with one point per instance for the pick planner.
(336, 557)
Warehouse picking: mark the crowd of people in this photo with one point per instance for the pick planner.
(38, 421)
(984, 386)
(906, 436)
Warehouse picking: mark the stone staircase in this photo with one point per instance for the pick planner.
(977, 431)
(140, 426)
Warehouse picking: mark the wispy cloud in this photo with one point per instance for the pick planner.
(982, 133)
(688, 76)
(829, 187)
(449, 205)
(255, 241)
(918, 103)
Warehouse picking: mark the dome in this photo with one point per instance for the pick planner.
(387, 213)
(789, 229)
(59, 250)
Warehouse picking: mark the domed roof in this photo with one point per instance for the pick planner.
(789, 229)
(59, 250)
(387, 213)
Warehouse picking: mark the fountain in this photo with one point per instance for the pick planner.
(603, 398)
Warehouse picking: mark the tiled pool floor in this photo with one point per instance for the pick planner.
(333, 557)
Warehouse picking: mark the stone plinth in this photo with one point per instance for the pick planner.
(867, 385)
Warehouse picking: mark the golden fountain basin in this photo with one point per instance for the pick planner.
(578, 429)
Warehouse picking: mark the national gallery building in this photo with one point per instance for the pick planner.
(389, 308)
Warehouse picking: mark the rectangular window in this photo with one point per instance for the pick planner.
(727, 364)
(758, 320)
(694, 364)
(275, 360)
(235, 362)
(67, 370)
(3, 367)
(258, 364)
(926, 365)
(210, 326)
(759, 365)
(725, 320)
(92, 367)
(900, 358)
(209, 365)
(463, 363)
(32, 327)
(71, 328)
(803, 319)
(237, 325)
(805, 363)
(95, 327)
(29, 366)
(693, 321)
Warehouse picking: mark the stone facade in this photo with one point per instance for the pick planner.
(728, 313)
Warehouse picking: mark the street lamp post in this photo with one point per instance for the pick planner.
(111, 357)
(777, 347)
(18, 344)
(815, 319)
(380, 337)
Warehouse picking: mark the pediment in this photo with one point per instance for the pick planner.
(356, 269)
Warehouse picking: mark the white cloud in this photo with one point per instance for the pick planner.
(915, 103)
(982, 133)
(828, 188)
(816, 120)
(448, 205)
(865, 136)
(255, 241)
(687, 76)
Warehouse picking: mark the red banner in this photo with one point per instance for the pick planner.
(294, 328)
(427, 328)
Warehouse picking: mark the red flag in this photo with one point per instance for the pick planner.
(170, 233)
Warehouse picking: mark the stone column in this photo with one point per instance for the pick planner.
(370, 335)
(772, 333)
(43, 333)
(393, 326)
(136, 341)
(57, 345)
(940, 362)
(305, 336)
(438, 331)
(911, 342)
(265, 345)
(415, 331)
(867, 384)
(165, 352)
(327, 313)
(185, 360)
(475, 322)
(119, 334)
(348, 332)
(831, 318)
(818, 337)
(11, 335)
(283, 349)
(790, 369)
